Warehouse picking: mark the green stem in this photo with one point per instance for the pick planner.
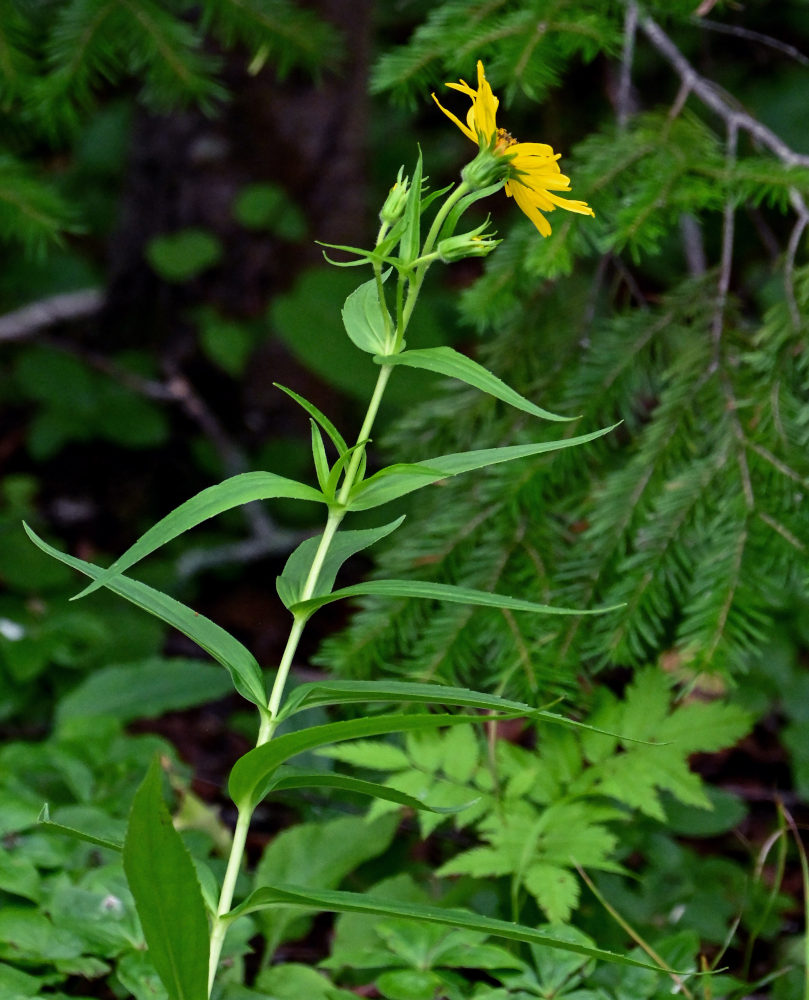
(220, 923)
(426, 251)
(269, 720)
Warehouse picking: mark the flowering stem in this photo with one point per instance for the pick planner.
(426, 257)
(269, 720)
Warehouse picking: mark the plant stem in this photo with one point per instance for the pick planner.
(415, 286)
(220, 923)
(337, 512)
(270, 721)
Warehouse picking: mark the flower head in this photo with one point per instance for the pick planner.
(533, 175)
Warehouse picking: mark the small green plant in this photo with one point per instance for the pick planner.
(185, 910)
(543, 813)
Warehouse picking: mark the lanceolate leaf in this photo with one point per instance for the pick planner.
(402, 478)
(411, 238)
(345, 783)
(71, 831)
(249, 778)
(446, 361)
(233, 492)
(438, 592)
(319, 693)
(351, 902)
(344, 545)
(167, 894)
(238, 661)
(336, 437)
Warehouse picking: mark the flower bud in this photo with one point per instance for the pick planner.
(471, 244)
(395, 203)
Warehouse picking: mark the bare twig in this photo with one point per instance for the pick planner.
(693, 245)
(792, 249)
(753, 36)
(624, 98)
(726, 262)
(710, 94)
(68, 307)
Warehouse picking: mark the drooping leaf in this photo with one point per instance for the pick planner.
(238, 661)
(167, 894)
(403, 478)
(447, 361)
(233, 492)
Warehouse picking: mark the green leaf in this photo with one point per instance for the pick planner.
(336, 438)
(319, 457)
(248, 779)
(318, 693)
(269, 207)
(183, 255)
(438, 592)
(344, 545)
(403, 478)
(320, 855)
(167, 893)
(45, 820)
(345, 783)
(364, 318)
(291, 981)
(238, 661)
(458, 209)
(352, 902)
(233, 492)
(446, 361)
(411, 237)
(144, 690)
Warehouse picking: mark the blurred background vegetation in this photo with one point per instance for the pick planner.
(165, 170)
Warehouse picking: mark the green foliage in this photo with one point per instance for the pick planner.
(45, 642)
(76, 403)
(685, 523)
(32, 213)
(268, 207)
(143, 690)
(174, 920)
(183, 255)
(543, 813)
(316, 855)
(66, 907)
(456, 33)
(61, 57)
(692, 515)
(412, 961)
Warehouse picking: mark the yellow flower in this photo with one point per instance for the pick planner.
(534, 174)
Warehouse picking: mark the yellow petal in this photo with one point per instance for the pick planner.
(464, 128)
(527, 204)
